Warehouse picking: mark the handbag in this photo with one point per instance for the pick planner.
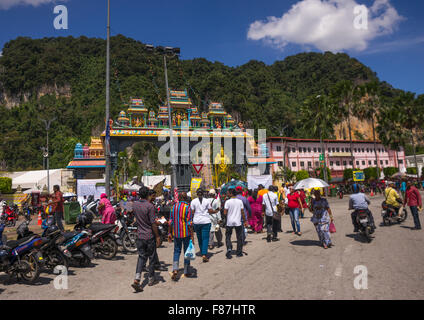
(332, 227)
(190, 253)
(275, 215)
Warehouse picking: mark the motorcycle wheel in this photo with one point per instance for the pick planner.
(126, 242)
(57, 258)
(108, 249)
(403, 216)
(85, 261)
(367, 234)
(31, 267)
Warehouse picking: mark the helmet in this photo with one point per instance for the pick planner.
(52, 229)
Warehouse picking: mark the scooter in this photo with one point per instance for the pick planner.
(390, 216)
(10, 214)
(364, 223)
(101, 235)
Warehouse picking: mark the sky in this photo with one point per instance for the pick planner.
(385, 35)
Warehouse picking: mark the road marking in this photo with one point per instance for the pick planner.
(339, 270)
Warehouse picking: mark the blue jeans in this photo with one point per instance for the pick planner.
(294, 217)
(202, 231)
(414, 211)
(178, 244)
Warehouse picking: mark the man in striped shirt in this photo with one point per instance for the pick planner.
(181, 229)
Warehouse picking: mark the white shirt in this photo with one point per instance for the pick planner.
(272, 200)
(287, 192)
(200, 211)
(234, 207)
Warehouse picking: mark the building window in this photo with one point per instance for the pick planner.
(304, 150)
(369, 162)
(400, 161)
(368, 150)
(280, 163)
(344, 163)
(387, 161)
(381, 162)
(309, 164)
(293, 164)
(309, 149)
(363, 150)
(319, 150)
(351, 163)
(375, 162)
(363, 162)
(333, 149)
(337, 150)
(347, 149)
(331, 163)
(354, 150)
(357, 163)
(315, 149)
(302, 164)
(278, 148)
(293, 149)
(317, 164)
(337, 163)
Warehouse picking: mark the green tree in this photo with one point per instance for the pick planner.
(389, 171)
(301, 175)
(370, 173)
(5, 185)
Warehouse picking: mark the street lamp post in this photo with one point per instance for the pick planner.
(46, 155)
(323, 150)
(107, 149)
(174, 52)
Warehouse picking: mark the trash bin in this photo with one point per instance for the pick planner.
(71, 211)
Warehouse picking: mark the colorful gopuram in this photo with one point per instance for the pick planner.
(138, 116)
(89, 160)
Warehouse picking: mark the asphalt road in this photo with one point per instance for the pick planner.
(293, 268)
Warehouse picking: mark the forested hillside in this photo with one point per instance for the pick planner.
(65, 78)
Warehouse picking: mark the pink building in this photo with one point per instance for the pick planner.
(303, 154)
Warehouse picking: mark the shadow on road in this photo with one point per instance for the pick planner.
(406, 227)
(10, 280)
(357, 237)
(306, 243)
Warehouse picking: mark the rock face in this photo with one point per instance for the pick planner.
(11, 101)
(361, 130)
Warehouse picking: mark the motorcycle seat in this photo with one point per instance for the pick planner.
(69, 235)
(15, 243)
(96, 227)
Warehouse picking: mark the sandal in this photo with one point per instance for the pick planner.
(174, 275)
(205, 259)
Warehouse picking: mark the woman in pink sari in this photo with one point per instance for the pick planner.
(106, 210)
(256, 220)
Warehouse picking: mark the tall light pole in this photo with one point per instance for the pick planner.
(322, 149)
(46, 155)
(174, 52)
(107, 151)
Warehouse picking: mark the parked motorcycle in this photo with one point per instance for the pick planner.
(102, 239)
(51, 239)
(10, 214)
(364, 223)
(21, 257)
(126, 235)
(390, 216)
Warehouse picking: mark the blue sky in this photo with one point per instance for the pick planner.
(236, 31)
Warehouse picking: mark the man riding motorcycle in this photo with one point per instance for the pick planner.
(393, 199)
(359, 201)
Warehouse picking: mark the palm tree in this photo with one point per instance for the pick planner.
(318, 118)
(345, 93)
(367, 109)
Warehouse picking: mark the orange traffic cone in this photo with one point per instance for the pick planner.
(372, 193)
(40, 221)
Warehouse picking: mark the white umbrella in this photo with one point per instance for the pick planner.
(310, 183)
(69, 194)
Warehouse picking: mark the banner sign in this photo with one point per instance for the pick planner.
(358, 176)
(195, 184)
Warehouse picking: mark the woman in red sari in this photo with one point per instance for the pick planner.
(256, 220)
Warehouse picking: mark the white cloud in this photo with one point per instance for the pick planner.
(6, 4)
(327, 25)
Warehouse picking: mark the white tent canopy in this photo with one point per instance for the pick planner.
(36, 179)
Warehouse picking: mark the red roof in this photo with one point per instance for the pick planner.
(86, 163)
